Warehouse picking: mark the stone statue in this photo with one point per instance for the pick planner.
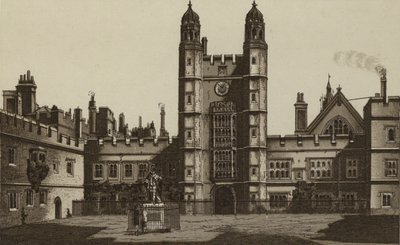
(152, 184)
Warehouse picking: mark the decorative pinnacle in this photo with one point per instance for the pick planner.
(190, 4)
(254, 3)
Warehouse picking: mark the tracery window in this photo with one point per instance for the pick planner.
(338, 125)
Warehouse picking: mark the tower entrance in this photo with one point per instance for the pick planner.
(224, 201)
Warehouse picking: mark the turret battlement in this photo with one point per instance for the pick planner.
(26, 128)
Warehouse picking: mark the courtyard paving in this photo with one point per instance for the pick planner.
(219, 229)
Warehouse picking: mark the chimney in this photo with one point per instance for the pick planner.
(92, 115)
(162, 113)
(382, 74)
(300, 108)
(121, 128)
(204, 45)
(140, 121)
(78, 122)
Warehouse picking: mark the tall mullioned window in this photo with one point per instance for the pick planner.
(223, 139)
(29, 197)
(128, 171)
(113, 171)
(43, 197)
(98, 171)
(13, 201)
(11, 156)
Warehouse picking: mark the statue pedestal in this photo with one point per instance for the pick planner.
(155, 216)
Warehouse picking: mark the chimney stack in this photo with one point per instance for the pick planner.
(92, 115)
(382, 74)
(300, 108)
(204, 45)
(140, 121)
(121, 128)
(162, 127)
(78, 122)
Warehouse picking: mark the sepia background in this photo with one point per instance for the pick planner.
(126, 51)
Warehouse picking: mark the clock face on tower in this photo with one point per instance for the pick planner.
(221, 88)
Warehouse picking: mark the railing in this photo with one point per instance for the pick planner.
(172, 209)
(166, 216)
(284, 206)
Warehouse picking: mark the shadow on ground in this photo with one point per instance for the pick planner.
(57, 234)
(363, 229)
(50, 234)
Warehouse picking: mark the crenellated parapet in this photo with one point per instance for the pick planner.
(222, 65)
(145, 143)
(222, 59)
(15, 125)
(300, 142)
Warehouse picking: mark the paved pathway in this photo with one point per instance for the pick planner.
(206, 227)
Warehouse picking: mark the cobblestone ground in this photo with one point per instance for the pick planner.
(202, 228)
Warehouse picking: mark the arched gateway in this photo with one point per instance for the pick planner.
(224, 200)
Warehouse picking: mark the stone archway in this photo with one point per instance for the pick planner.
(224, 200)
(58, 208)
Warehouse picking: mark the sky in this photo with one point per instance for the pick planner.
(126, 51)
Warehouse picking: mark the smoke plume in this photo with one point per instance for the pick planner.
(359, 60)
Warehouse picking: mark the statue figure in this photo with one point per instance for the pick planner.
(152, 184)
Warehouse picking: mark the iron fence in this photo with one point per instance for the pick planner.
(281, 206)
(173, 209)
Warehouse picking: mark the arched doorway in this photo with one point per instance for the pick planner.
(58, 208)
(224, 201)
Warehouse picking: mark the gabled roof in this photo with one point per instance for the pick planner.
(338, 99)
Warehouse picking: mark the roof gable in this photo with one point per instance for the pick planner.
(338, 107)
